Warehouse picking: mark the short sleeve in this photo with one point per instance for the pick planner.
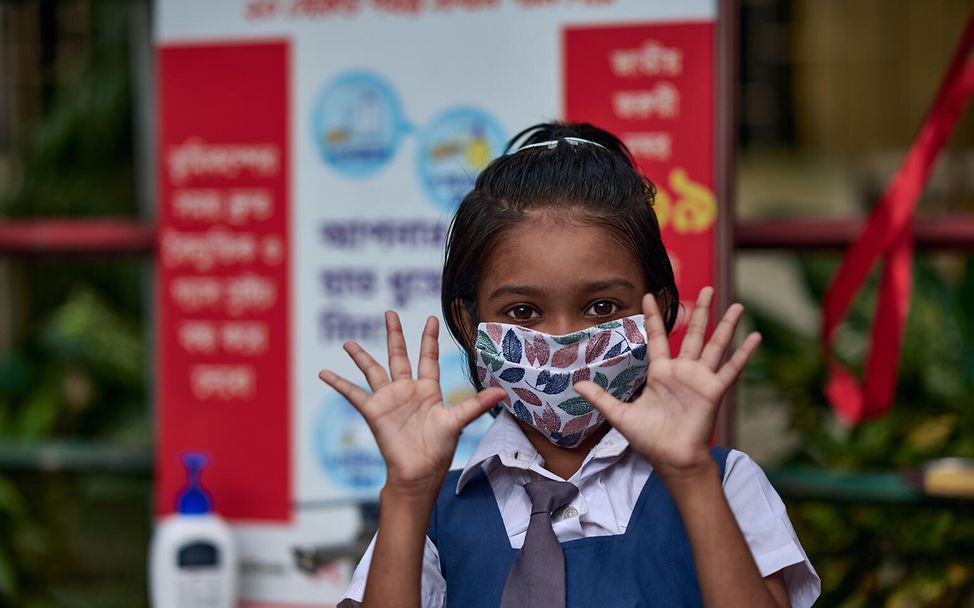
(433, 588)
(763, 519)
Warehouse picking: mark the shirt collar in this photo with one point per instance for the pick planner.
(506, 442)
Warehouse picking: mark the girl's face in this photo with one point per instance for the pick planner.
(558, 276)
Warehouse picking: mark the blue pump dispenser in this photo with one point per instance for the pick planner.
(194, 499)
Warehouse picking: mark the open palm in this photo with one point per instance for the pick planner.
(416, 433)
(671, 421)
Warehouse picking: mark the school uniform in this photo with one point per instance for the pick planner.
(623, 539)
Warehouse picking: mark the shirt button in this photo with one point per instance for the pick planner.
(569, 512)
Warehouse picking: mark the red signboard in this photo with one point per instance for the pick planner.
(223, 377)
(653, 85)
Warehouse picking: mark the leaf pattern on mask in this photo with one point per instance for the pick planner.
(540, 349)
(512, 374)
(632, 331)
(563, 357)
(615, 360)
(484, 343)
(538, 372)
(570, 338)
(542, 378)
(576, 406)
(557, 383)
(622, 392)
(493, 360)
(577, 425)
(527, 395)
(512, 347)
(494, 330)
(522, 412)
(597, 345)
(625, 377)
(529, 355)
(548, 420)
(613, 352)
(567, 441)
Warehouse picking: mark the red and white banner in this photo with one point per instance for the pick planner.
(652, 84)
(224, 344)
(310, 157)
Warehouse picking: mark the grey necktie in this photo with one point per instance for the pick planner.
(537, 576)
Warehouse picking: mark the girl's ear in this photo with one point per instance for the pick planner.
(462, 315)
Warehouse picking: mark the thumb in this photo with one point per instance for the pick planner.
(600, 400)
(472, 408)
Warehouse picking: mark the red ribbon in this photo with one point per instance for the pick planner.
(889, 233)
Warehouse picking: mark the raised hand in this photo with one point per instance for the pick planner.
(417, 434)
(671, 421)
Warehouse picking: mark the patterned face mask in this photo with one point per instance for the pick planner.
(538, 372)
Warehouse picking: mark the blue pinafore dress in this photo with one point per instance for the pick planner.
(649, 565)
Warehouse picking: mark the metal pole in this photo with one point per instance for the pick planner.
(725, 60)
(144, 142)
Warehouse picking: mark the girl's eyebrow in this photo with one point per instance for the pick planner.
(515, 290)
(527, 290)
(616, 283)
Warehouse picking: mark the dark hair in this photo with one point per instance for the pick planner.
(599, 184)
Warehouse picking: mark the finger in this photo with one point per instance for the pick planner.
(600, 400)
(723, 333)
(658, 343)
(399, 366)
(731, 370)
(697, 327)
(355, 394)
(374, 373)
(429, 351)
(474, 407)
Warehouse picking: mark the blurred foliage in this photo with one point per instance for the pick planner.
(897, 556)
(76, 369)
(78, 158)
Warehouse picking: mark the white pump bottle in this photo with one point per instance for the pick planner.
(193, 557)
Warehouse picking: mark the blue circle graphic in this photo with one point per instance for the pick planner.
(358, 123)
(453, 150)
(346, 450)
(348, 454)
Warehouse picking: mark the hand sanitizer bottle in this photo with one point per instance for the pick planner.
(193, 559)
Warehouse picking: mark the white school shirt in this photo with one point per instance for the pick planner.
(609, 482)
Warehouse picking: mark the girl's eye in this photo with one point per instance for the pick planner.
(602, 308)
(523, 312)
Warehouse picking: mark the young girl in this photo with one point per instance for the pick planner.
(595, 485)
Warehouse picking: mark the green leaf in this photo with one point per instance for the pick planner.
(619, 391)
(601, 380)
(484, 343)
(610, 325)
(576, 406)
(625, 378)
(495, 361)
(570, 338)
